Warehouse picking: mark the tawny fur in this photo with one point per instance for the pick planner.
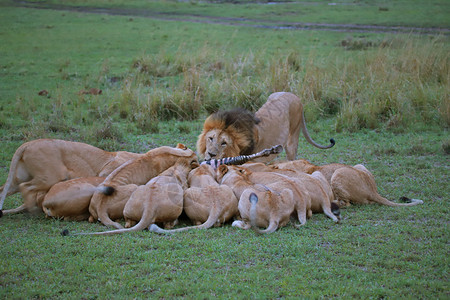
(108, 202)
(206, 203)
(278, 122)
(37, 165)
(276, 200)
(309, 168)
(320, 191)
(158, 201)
(350, 185)
(357, 186)
(70, 199)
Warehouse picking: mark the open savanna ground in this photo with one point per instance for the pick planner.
(383, 97)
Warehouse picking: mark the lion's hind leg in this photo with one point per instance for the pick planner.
(273, 226)
(28, 192)
(303, 209)
(70, 199)
(292, 144)
(107, 221)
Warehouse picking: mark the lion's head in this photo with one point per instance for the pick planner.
(228, 133)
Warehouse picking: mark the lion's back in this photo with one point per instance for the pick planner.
(280, 105)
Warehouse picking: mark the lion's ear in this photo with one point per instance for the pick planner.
(222, 169)
(194, 164)
(181, 146)
(243, 171)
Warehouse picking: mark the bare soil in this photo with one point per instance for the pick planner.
(233, 21)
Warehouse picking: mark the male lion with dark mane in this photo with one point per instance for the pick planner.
(241, 132)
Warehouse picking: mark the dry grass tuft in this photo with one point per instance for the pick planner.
(390, 83)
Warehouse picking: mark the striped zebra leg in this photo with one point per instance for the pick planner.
(241, 159)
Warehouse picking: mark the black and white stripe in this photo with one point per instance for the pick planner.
(241, 159)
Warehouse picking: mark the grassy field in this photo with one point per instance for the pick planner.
(409, 13)
(384, 98)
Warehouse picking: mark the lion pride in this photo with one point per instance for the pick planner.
(108, 202)
(240, 132)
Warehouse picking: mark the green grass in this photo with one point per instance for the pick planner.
(375, 252)
(407, 13)
(167, 71)
(146, 68)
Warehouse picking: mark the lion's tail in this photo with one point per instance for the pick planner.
(5, 189)
(141, 225)
(310, 140)
(212, 219)
(273, 225)
(408, 202)
(335, 209)
(106, 187)
(105, 190)
(252, 214)
(104, 218)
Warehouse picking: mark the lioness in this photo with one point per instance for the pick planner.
(258, 209)
(349, 184)
(158, 201)
(320, 191)
(206, 203)
(357, 185)
(39, 164)
(108, 201)
(240, 132)
(305, 166)
(70, 199)
(277, 200)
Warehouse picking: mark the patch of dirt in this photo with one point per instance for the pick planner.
(268, 24)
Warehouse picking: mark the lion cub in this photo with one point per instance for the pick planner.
(205, 201)
(160, 200)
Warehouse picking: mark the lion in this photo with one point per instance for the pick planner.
(158, 201)
(240, 132)
(108, 201)
(206, 203)
(316, 184)
(258, 209)
(319, 190)
(276, 200)
(305, 166)
(69, 200)
(349, 184)
(37, 165)
(357, 185)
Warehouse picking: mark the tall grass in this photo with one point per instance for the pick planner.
(392, 83)
(396, 86)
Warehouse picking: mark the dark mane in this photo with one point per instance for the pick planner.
(242, 122)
